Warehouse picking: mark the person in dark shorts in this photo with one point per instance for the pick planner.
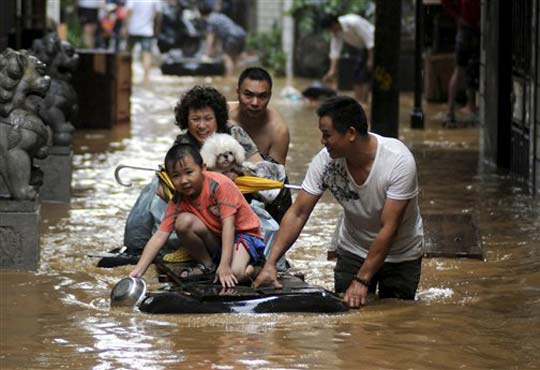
(374, 179)
(358, 34)
(88, 16)
(467, 53)
(222, 28)
(143, 18)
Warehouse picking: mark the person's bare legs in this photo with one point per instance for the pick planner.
(89, 31)
(229, 65)
(361, 93)
(453, 86)
(471, 107)
(200, 242)
(240, 263)
(147, 64)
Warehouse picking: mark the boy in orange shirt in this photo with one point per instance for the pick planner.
(212, 219)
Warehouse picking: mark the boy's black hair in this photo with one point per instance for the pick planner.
(345, 112)
(180, 151)
(255, 73)
(327, 20)
(200, 97)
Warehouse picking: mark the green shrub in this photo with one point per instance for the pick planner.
(268, 47)
(307, 13)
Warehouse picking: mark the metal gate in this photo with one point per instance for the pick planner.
(521, 86)
(525, 82)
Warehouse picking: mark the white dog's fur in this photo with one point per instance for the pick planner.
(222, 153)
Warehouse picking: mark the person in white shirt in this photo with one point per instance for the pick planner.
(358, 33)
(143, 18)
(374, 179)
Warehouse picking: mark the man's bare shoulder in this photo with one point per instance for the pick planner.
(276, 120)
(275, 117)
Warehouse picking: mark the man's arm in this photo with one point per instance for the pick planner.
(336, 44)
(291, 225)
(125, 24)
(391, 218)
(157, 23)
(210, 40)
(281, 138)
(369, 63)
(332, 71)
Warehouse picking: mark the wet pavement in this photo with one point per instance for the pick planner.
(469, 313)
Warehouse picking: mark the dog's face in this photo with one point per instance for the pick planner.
(221, 152)
(225, 160)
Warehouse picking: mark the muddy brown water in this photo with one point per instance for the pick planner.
(469, 314)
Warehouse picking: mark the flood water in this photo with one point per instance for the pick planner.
(469, 314)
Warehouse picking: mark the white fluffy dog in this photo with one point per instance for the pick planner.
(222, 153)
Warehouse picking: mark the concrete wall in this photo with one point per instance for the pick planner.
(269, 12)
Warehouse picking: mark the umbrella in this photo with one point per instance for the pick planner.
(246, 184)
(168, 186)
(251, 184)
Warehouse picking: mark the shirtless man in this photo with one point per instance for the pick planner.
(264, 125)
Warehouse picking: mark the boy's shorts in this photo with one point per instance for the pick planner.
(254, 246)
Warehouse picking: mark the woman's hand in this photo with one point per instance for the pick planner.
(225, 276)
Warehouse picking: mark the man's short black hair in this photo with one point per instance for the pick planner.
(345, 112)
(328, 20)
(200, 97)
(255, 73)
(178, 152)
(205, 8)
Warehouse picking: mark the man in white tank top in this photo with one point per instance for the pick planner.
(374, 179)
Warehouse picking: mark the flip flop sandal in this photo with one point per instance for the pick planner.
(197, 273)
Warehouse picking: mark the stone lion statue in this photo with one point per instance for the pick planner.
(61, 103)
(23, 136)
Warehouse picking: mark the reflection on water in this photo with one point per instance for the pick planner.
(469, 313)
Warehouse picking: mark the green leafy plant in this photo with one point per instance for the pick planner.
(70, 17)
(307, 13)
(268, 47)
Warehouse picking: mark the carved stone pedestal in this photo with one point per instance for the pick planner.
(57, 169)
(19, 234)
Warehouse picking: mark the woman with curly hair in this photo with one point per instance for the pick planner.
(201, 112)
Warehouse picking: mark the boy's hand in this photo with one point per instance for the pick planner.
(226, 277)
(136, 273)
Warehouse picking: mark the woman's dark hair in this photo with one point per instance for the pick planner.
(328, 20)
(256, 74)
(200, 97)
(179, 152)
(345, 112)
